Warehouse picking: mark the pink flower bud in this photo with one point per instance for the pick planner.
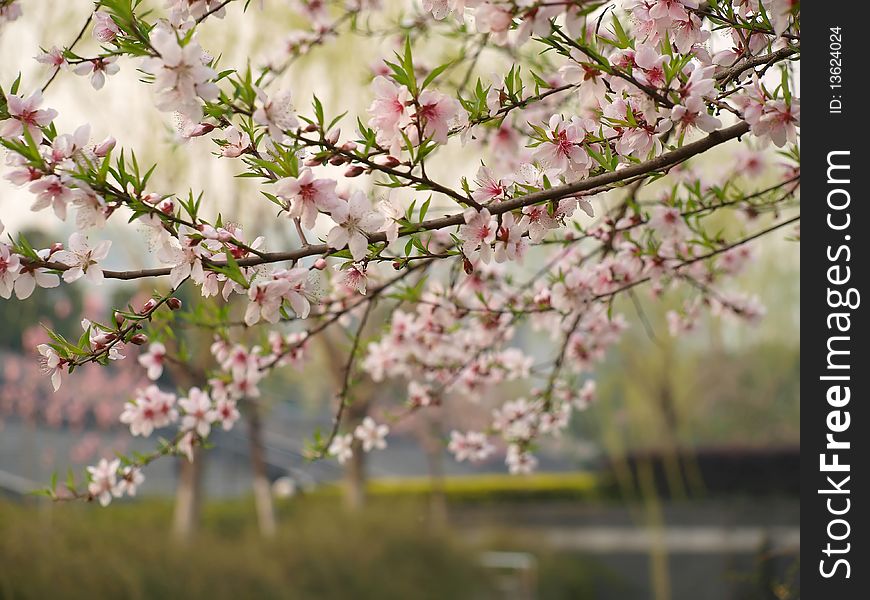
(332, 136)
(201, 129)
(337, 160)
(310, 128)
(151, 198)
(149, 306)
(348, 146)
(207, 231)
(55, 247)
(104, 147)
(320, 264)
(139, 339)
(313, 162)
(119, 319)
(354, 171)
(173, 303)
(387, 161)
(167, 206)
(103, 338)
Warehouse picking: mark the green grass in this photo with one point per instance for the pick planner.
(388, 551)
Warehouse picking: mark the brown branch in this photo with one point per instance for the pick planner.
(572, 189)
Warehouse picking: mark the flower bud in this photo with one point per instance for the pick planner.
(354, 171)
(139, 339)
(348, 146)
(313, 162)
(149, 306)
(167, 207)
(387, 161)
(103, 338)
(55, 247)
(310, 128)
(207, 231)
(151, 198)
(119, 319)
(467, 266)
(332, 136)
(201, 129)
(173, 303)
(337, 160)
(320, 264)
(104, 147)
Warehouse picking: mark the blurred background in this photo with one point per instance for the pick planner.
(680, 481)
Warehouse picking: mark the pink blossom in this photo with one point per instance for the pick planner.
(472, 446)
(779, 122)
(265, 300)
(29, 277)
(435, 112)
(185, 256)
(478, 233)
(180, 76)
(563, 148)
(693, 114)
(389, 110)
(198, 412)
(308, 196)
(494, 19)
(98, 69)
(26, 114)
(82, 259)
(276, 113)
(53, 57)
(296, 294)
(129, 479)
(489, 188)
(341, 447)
(103, 479)
(392, 214)
(510, 240)
(354, 278)
(52, 363)
(372, 435)
(53, 191)
(237, 143)
(354, 220)
(150, 409)
(226, 413)
(153, 360)
(519, 461)
(105, 28)
(10, 266)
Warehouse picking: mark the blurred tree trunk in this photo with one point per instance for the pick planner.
(355, 468)
(260, 479)
(430, 434)
(188, 496)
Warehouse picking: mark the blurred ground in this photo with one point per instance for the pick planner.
(568, 549)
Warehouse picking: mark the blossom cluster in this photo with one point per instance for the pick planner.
(567, 146)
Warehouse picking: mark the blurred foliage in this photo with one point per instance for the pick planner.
(702, 390)
(487, 488)
(59, 308)
(77, 551)
(389, 551)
